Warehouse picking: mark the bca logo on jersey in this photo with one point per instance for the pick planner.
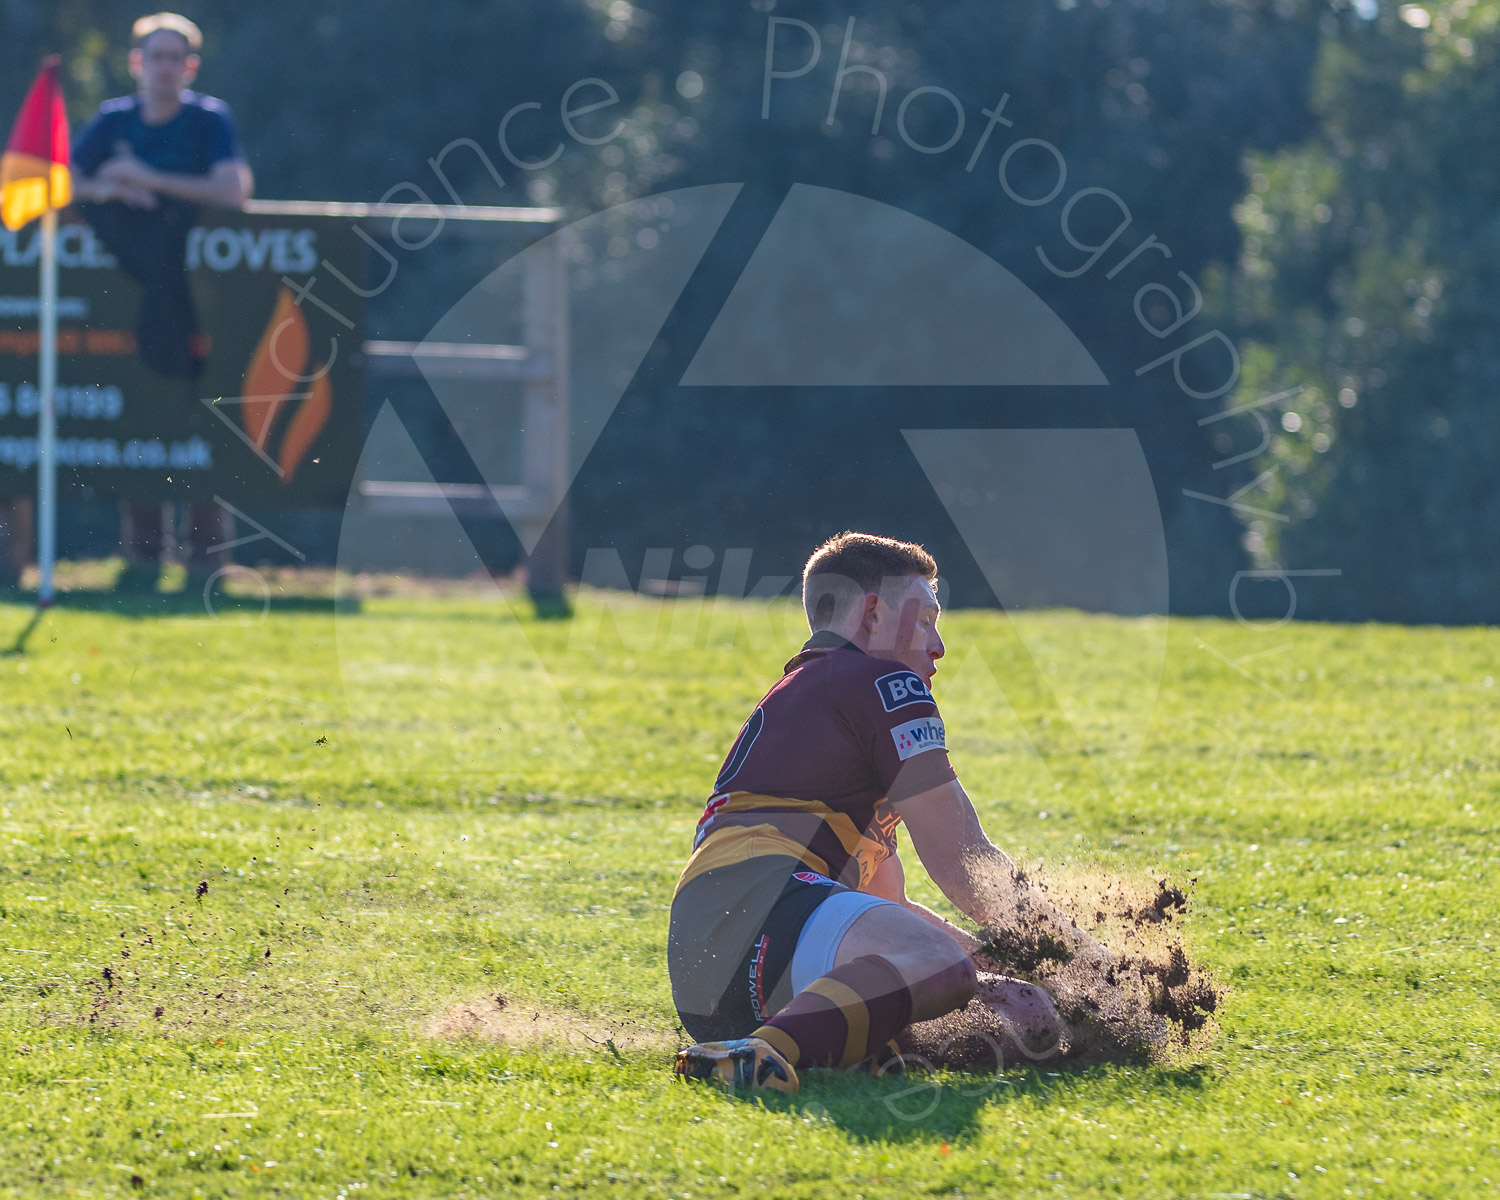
(925, 733)
(900, 688)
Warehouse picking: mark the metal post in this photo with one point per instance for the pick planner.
(545, 425)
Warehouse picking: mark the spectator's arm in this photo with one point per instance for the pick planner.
(92, 189)
(227, 185)
(89, 188)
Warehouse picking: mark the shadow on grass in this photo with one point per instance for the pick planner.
(187, 604)
(947, 1106)
(18, 647)
(551, 606)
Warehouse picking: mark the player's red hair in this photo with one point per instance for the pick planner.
(850, 565)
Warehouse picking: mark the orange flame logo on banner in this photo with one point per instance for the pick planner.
(275, 378)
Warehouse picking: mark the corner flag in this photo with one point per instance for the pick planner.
(35, 182)
(34, 170)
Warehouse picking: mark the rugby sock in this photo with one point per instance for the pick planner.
(843, 1017)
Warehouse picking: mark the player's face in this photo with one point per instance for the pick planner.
(906, 627)
(164, 64)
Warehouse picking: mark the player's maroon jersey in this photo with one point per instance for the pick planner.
(812, 770)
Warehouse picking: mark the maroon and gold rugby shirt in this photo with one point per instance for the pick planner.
(814, 770)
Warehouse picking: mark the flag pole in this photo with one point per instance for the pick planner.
(35, 182)
(46, 482)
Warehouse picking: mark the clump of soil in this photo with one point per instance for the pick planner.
(498, 1019)
(1023, 947)
(1137, 1007)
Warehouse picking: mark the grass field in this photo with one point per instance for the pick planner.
(249, 859)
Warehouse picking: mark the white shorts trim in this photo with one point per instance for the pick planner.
(819, 943)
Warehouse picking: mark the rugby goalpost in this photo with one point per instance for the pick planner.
(537, 505)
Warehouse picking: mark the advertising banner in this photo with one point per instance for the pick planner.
(239, 384)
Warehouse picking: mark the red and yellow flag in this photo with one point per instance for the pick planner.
(34, 173)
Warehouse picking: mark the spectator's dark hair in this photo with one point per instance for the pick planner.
(173, 23)
(850, 565)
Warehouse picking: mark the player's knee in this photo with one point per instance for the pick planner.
(965, 980)
(954, 982)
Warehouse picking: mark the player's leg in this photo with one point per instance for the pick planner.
(730, 938)
(934, 967)
(864, 969)
(1020, 1018)
(842, 971)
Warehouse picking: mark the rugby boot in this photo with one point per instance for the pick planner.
(744, 1062)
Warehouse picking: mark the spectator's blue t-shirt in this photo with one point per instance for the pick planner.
(199, 136)
(150, 244)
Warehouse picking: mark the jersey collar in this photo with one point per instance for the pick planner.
(823, 639)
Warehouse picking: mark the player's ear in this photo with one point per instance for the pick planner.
(870, 618)
(190, 68)
(137, 63)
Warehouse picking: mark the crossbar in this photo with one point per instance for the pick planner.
(455, 360)
(392, 498)
(406, 212)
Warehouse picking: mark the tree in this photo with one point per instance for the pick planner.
(1371, 261)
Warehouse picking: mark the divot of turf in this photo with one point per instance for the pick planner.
(495, 1018)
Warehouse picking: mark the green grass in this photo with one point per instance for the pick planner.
(503, 804)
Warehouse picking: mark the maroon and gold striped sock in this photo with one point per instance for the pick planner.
(843, 1017)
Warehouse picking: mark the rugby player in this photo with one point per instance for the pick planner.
(792, 941)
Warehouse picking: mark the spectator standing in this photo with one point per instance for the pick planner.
(143, 167)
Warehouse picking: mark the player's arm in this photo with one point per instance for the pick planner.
(889, 883)
(976, 875)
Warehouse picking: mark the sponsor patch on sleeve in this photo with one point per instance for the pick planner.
(900, 688)
(925, 733)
